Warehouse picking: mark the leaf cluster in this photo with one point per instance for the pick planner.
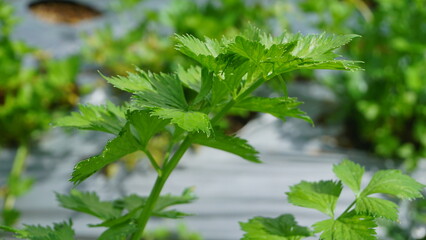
(186, 100)
(357, 222)
(118, 216)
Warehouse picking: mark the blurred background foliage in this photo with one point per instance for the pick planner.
(383, 108)
(149, 46)
(34, 89)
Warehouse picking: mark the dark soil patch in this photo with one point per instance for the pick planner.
(63, 11)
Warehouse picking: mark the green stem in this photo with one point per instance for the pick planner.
(222, 113)
(153, 162)
(232, 102)
(171, 164)
(347, 209)
(15, 174)
(283, 84)
(158, 186)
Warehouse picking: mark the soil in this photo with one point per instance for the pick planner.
(63, 11)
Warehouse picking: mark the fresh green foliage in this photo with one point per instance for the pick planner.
(108, 118)
(88, 203)
(321, 195)
(187, 105)
(357, 222)
(382, 107)
(283, 227)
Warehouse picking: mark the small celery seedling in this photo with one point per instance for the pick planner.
(187, 105)
(357, 222)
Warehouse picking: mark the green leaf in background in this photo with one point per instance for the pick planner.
(231, 144)
(10, 217)
(88, 202)
(395, 183)
(350, 174)
(107, 118)
(60, 231)
(19, 186)
(281, 108)
(349, 227)
(321, 195)
(377, 207)
(283, 227)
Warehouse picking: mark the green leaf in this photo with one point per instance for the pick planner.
(108, 118)
(133, 137)
(190, 121)
(395, 183)
(60, 231)
(144, 126)
(165, 98)
(279, 107)
(118, 232)
(193, 47)
(321, 195)
(350, 174)
(204, 53)
(206, 86)
(133, 82)
(230, 144)
(283, 227)
(169, 200)
(349, 227)
(135, 203)
(377, 207)
(319, 47)
(12, 230)
(254, 51)
(163, 91)
(116, 148)
(191, 77)
(344, 65)
(127, 218)
(89, 203)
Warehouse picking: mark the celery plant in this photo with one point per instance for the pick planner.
(187, 105)
(357, 222)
